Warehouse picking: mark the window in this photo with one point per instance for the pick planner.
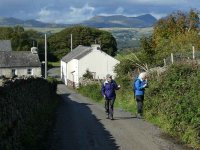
(14, 72)
(29, 71)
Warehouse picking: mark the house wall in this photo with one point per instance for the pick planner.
(7, 72)
(70, 72)
(98, 62)
(63, 71)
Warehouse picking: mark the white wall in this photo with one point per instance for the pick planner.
(36, 71)
(99, 62)
(72, 70)
(63, 71)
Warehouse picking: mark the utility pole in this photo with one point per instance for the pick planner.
(45, 56)
(71, 43)
(165, 62)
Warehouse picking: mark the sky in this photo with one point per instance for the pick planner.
(76, 11)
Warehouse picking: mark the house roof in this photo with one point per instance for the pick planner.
(77, 53)
(5, 45)
(9, 59)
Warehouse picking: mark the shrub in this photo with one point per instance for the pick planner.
(92, 91)
(174, 102)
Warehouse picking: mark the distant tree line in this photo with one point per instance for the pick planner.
(59, 43)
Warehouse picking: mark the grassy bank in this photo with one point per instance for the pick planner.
(124, 99)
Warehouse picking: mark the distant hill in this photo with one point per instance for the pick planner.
(121, 21)
(4, 21)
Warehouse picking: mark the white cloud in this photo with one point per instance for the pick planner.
(44, 12)
(73, 15)
(119, 10)
(158, 15)
(80, 14)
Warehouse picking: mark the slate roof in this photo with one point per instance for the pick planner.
(5, 45)
(77, 53)
(10, 59)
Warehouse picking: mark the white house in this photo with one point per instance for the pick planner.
(83, 58)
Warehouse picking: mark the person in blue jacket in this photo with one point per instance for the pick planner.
(139, 86)
(108, 92)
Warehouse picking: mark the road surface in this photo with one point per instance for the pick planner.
(82, 125)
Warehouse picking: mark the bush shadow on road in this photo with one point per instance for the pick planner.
(76, 128)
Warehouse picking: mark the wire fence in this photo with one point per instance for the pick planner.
(182, 57)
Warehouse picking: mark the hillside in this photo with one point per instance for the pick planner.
(121, 21)
(27, 23)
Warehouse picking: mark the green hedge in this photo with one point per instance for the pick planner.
(173, 102)
(26, 110)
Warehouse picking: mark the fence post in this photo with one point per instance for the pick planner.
(164, 62)
(193, 52)
(172, 58)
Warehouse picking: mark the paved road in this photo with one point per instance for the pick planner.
(54, 72)
(82, 125)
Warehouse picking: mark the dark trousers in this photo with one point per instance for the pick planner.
(140, 99)
(109, 106)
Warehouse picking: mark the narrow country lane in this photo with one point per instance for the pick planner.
(82, 125)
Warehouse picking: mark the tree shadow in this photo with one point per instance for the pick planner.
(76, 128)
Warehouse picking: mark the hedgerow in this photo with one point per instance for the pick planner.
(173, 102)
(26, 111)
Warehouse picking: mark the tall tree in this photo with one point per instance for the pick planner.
(82, 36)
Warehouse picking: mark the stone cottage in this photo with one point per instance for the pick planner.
(20, 63)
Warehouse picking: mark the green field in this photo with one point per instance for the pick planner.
(128, 38)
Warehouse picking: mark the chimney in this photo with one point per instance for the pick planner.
(96, 47)
(34, 50)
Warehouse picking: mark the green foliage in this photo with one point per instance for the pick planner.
(129, 67)
(148, 45)
(176, 33)
(173, 102)
(27, 108)
(81, 36)
(22, 40)
(88, 74)
(92, 91)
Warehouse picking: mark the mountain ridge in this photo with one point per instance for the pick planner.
(98, 21)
